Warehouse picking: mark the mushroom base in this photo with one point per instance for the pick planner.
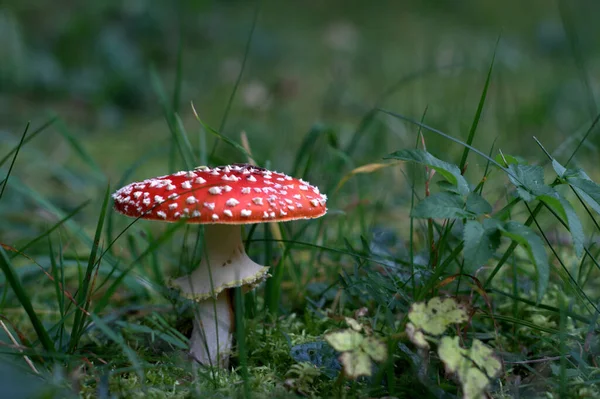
(225, 265)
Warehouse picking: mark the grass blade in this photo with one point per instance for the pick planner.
(17, 287)
(84, 293)
(12, 164)
(463, 160)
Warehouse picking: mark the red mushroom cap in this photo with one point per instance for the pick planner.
(235, 194)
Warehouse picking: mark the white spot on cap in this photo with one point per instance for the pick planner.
(291, 208)
(191, 175)
(186, 185)
(161, 214)
(177, 214)
(289, 201)
(159, 199)
(209, 205)
(246, 213)
(191, 200)
(199, 181)
(173, 196)
(172, 206)
(298, 196)
(280, 179)
(137, 194)
(215, 216)
(251, 178)
(228, 212)
(232, 202)
(246, 190)
(257, 200)
(202, 168)
(282, 213)
(171, 187)
(186, 210)
(272, 214)
(195, 214)
(257, 189)
(181, 173)
(314, 202)
(146, 201)
(265, 215)
(227, 188)
(215, 190)
(303, 187)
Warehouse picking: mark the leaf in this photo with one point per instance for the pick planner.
(477, 204)
(434, 317)
(375, 348)
(345, 340)
(480, 244)
(534, 246)
(588, 190)
(528, 179)
(475, 367)
(449, 171)
(356, 364)
(444, 205)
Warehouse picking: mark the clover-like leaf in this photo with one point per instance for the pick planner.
(345, 340)
(356, 364)
(375, 348)
(474, 368)
(434, 317)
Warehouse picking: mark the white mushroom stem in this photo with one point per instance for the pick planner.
(224, 265)
(210, 342)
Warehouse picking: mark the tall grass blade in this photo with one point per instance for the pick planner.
(463, 160)
(84, 289)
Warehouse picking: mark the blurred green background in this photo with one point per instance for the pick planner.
(309, 62)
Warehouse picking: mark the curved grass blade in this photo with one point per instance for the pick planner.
(17, 287)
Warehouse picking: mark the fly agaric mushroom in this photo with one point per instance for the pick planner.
(223, 198)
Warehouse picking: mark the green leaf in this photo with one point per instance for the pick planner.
(356, 363)
(434, 317)
(475, 367)
(534, 246)
(442, 205)
(480, 244)
(477, 204)
(345, 340)
(558, 168)
(588, 190)
(529, 181)
(449, 171)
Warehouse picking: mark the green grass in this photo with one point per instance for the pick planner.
(502, 225)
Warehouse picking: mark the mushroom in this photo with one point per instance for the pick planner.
(223, 198)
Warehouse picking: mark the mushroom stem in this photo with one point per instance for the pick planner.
(210, 342)
(224, 265)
